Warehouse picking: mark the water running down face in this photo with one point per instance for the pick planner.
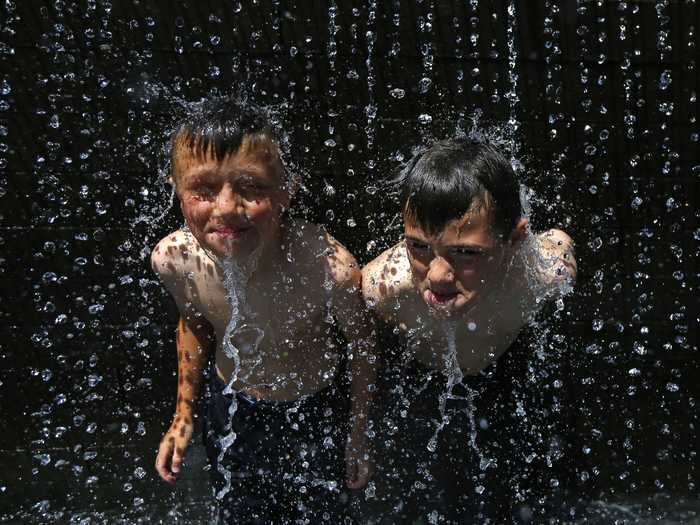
(452, 268)
(233, 206)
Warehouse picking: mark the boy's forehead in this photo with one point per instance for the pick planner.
(478, 216)
(187, 158)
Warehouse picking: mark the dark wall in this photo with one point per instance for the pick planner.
(606, 130)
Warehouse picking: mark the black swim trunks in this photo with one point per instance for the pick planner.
(286, 463)
(469, 456)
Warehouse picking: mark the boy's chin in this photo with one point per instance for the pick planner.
(229, 251)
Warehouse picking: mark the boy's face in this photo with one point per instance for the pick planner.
(454, 267)
(233, 206)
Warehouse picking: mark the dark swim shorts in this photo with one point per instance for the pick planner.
(478, 455)
(286, 464)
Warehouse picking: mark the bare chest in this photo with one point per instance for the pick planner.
(283, 314)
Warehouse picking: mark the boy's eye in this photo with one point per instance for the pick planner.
(252, 185)
(252, 190)
(465, 253)
(204, 192)
(418, 246)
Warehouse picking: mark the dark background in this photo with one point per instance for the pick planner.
(605, 124)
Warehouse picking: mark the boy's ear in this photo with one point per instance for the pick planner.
(519, 232)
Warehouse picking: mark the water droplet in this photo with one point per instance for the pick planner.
(43, 459)
(95, 308)
(424, 119)
(424, 85)
(397, 93)
(639, 348)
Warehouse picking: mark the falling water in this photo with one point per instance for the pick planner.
(371, 108)
(512, 93)
(454, 377)
(85, 202)
(332, 52)
(235, 283)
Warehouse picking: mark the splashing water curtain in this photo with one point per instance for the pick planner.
(596, 102)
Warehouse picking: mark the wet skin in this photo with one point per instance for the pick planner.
(469, 274)
(452, 268)
(233, 209)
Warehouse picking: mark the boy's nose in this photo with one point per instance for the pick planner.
(440, 272)
(228, 202)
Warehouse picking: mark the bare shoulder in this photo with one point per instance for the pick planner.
(558, 246)
(386, 277)
(177, 258)
(318, 246)
(342, 267)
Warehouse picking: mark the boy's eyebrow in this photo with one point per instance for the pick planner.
(415, 239)
(476, 248)
(470, 247)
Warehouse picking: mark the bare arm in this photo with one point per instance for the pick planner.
(358, 329)
(559, 248)
(195, 342)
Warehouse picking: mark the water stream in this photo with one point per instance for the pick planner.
(596, 101)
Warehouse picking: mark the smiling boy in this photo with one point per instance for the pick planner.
(457, 290)
(278, 444)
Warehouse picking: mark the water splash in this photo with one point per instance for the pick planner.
(454, 377)
(235, 282)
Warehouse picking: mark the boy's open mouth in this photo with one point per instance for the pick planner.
(440, 299)
(231, 233)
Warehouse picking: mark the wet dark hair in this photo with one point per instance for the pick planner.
(443, 182)
(217, 127)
